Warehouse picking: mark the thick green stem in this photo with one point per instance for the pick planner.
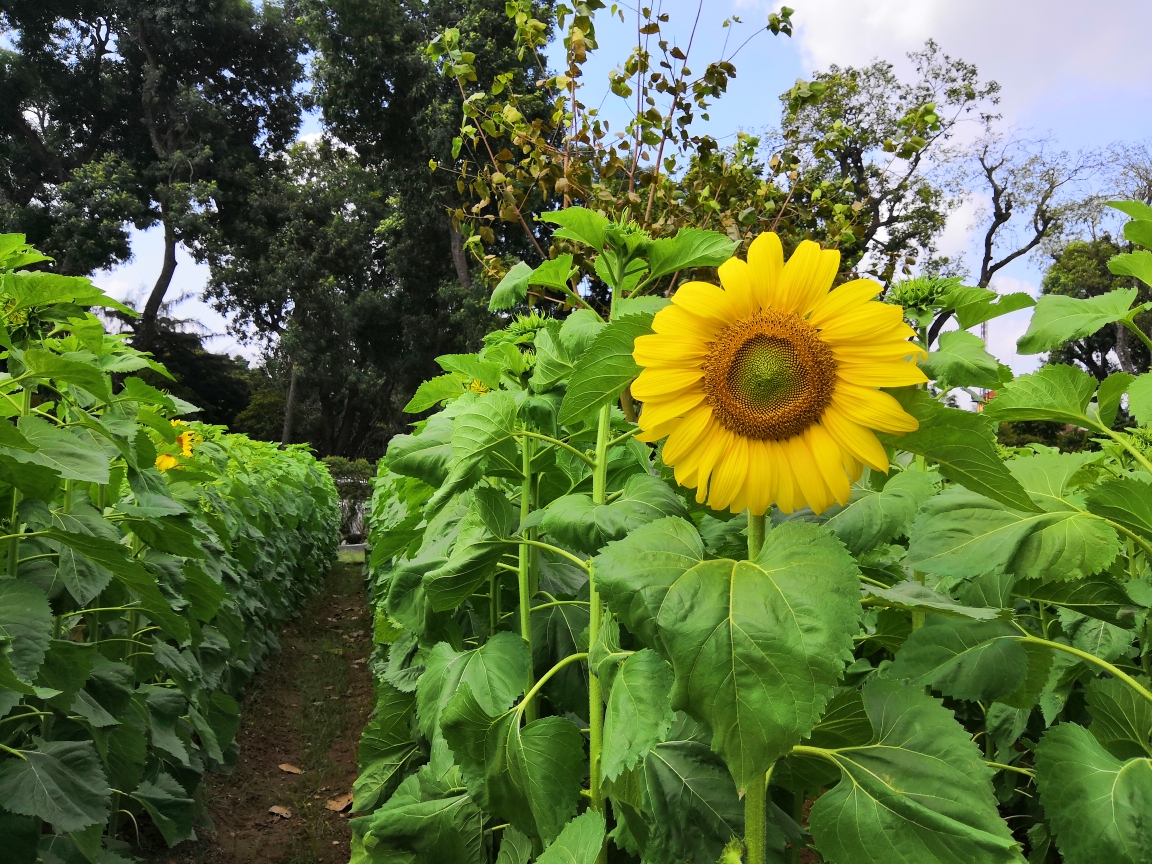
(1095, 661)
(756, 531)
(493, 602)
(14, 527)
(523, 577)
(755, 797)
(595, 699)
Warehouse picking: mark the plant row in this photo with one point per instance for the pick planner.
(147, 565)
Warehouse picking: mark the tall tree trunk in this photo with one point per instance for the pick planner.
(156, 298)
(459, 256)
(289, 410)
(1123, 352)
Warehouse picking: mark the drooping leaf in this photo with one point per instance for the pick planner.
(638, 713)
(169, 806)
(1121, 718)
(515, 848)
(1108, 396)
(757, 647)
(432, 822)
(479, 429)
(513, 288)
(578, 223)
(605, 368)
(48, 366)
(60, 781)
(914, 596)
(26, 620)
(553, 362)
(579, 843)
(434, 391)
(1126, 501)
(1098, 597)
(962, 443)
(1096, 804)
(427, 455)
(1058, 319)
(62, 450)
(872, 518)
(1140, 399)
(556, 633)
(918, 793)
(386, 746)
(479, 546)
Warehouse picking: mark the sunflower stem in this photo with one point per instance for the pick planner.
(595, 702)
(756, 528)
(523, 576)
(755, 797)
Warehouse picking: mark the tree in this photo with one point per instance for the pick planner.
(122, 111)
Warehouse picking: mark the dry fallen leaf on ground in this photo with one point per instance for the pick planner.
(282, 812)
(340, 803)
(290, 768)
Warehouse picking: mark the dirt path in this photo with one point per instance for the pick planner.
(305, 709)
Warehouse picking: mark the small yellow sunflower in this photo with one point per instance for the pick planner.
(767, 388)
(164, 461)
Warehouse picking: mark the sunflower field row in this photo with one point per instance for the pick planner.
(793, 600)
(148, 564)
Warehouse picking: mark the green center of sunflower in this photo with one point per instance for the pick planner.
(769, 376)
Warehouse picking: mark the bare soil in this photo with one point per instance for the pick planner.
(306, 709)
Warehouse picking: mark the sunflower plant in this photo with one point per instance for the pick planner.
(798, 603)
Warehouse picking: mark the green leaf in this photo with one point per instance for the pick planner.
(920, 793)
(1096, 804)
(554, 273)
(1099, 598)
(479, 546)
(1138, 264)
(872, 518)
(169, 806)
(579, 843)
(115, 558)
(556, 633)
(434, 391)
(914, 596)
(578, 223)
(26, 620)
(963, 535)
(973, 660)
(515, 848)
(62, 450)
(1121, 718)
(386, 746)
(513, 288)
(1132, 209)
(640, 305)
(52, 367)
(392, 541)
(472, 368)
(1139, 231)
(757, 647)
(19, 836)
(1108, 396)
(1060, 393)
(423, 818)
(530, 775)
(579, 330)
(576, 523)
(1140, 399)
(960, 360)
(66, 667)
(482, 427)
(638, 714)
(973, 308)
(1058, 319)
(691, 247)
(552, 360)
(605, 368)
(427, 455)
(494, 673)
(60, 781)
(963, 443)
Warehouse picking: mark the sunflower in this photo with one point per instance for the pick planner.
(767, 388)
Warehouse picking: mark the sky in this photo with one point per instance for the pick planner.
(1075, 71)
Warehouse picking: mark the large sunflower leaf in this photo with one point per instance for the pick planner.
(605, 368)
(386, 746)
(513, 288)
(872, 518)
(758, 647)
(962, 534)
(638, 713)
(1058, 319)
(530, 775)
(962, 443)
(1059, 393)
(691, 247)
(919, 793)
(556, 633)
(481, 428)
(1098, 597)
(169, 806)
(426, 455)
(1125, 501)
(62, 450)
(436, 825)
(1097, 805)
(1121, 718)
(60, 781)
(479, 546)
(634, 574)
(577, 523)
(579, 223)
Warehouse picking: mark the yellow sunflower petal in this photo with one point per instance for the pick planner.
(655, 383)
(656, 349)
(785, 481)
(829, 459)
(766, 263)
(855, 439)
(710, 302)
(674, 321)
(736, 277)
(861, 351)
(703, 458)
(685, 436)
(660, 412)
(729, 474)
(872, 408)
(881, 374)
(842, 300)
(806, 278)
(868, 319)
(760, 486)
(809, 488)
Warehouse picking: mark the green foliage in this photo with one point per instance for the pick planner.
(147, 568)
